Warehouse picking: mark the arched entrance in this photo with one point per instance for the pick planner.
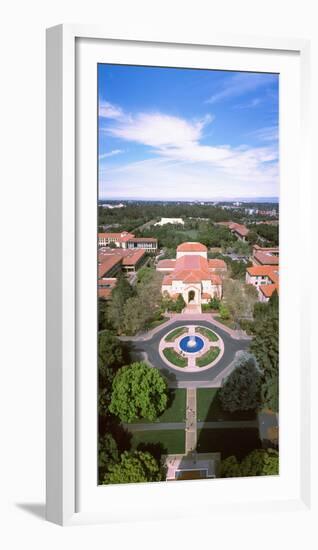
(191, 296)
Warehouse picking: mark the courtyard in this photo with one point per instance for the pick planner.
(181, 370)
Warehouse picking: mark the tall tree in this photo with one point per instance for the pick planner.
(110, 353)
(241, 390)
(265, 344)
(121, 293)
(138, 391)
(134, 467)
(239, 298)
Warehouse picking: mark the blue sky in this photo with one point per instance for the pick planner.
(187, 134)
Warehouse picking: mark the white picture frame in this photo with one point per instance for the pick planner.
(70, 414)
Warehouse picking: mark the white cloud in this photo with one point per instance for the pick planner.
(250, 104)
(159, 130)
(163, 179)
(110, 154)
(108, 110)
(239, 84)
(183, 166)
(269, 133)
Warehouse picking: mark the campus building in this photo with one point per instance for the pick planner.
(265, 256)
(192, 275)
(112, 262)
(265, 278)
(127, 240)
(239, 230)
(175, 221)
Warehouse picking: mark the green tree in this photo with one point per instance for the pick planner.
(145, 306)
(138, 391)
(230, 467)
(110, 353)
(241, 390)
(103, 319)
(214, 303)
(179, 304)
(224, 312)
(121, 293)
(239, 299)
(269, 393)
(265, 344)
(107, 453)
(134, 467)
(260, 462)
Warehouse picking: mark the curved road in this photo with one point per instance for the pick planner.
(150, 348)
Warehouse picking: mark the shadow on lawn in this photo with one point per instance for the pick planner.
(228, 441)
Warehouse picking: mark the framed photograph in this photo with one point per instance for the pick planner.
(177, 363)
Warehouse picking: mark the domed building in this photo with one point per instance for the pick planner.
(192, 275)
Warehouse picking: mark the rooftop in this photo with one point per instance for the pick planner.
(143, 240)
(121, 237)
(127, 256)
(192, 247)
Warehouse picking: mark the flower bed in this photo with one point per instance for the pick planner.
(208, 357)
(209, 334)
(175, 358)
(175, 333)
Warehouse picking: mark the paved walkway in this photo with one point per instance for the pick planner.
(191, 421)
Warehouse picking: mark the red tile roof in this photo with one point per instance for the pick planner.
(107, 263)
(120, 237)
(239, 228)
(122, 253)
(268, 290)
(105, 291)
(166, 264)
(216, 263)
(191, 247)
(192, 268)
(264, 271)
(133, 257)
(266, 258)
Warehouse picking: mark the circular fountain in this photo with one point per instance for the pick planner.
(191, 344)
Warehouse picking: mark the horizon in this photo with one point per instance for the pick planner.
(247, 200)
(198, 132)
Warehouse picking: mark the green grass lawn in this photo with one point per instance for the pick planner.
(166, 441)
(175, 411)
(174, 357)
(209, 334)
(228, 441)
(175, 333)
(209, 408)
(208, 357)
(227, 322)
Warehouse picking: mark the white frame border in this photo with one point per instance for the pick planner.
(61, 211)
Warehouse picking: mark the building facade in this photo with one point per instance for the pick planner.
(265, 278)
(127, 240)
(192, 275)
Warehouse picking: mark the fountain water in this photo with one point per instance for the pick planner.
(191, 341)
